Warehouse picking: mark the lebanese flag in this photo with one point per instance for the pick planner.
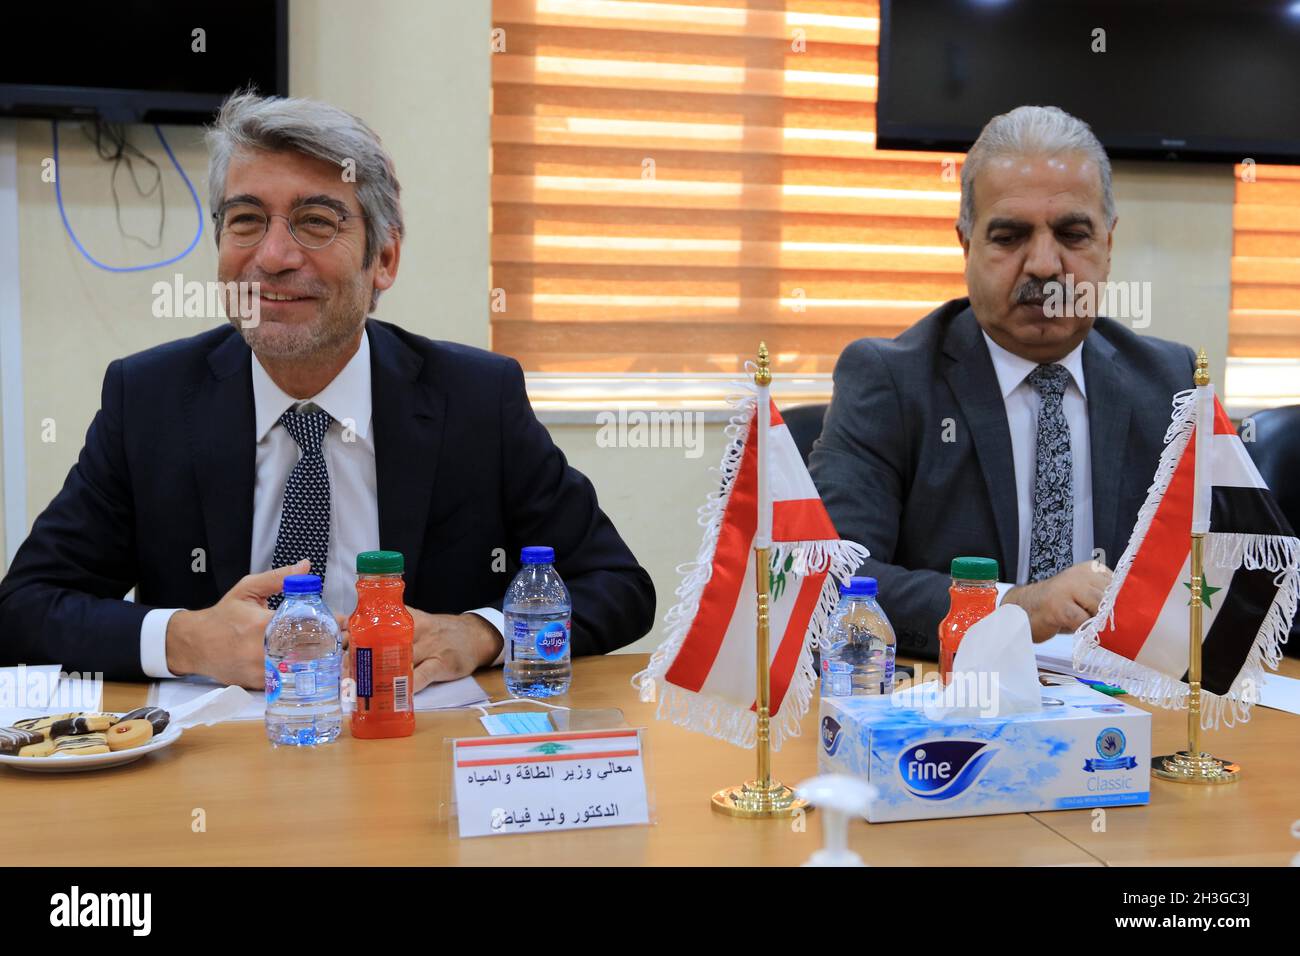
(705, 672)
(1139, 638)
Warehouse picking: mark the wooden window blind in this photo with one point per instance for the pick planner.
(673, 181)
(1265, 318)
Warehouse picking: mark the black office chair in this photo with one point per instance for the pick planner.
(1276, 453)
(805, 424)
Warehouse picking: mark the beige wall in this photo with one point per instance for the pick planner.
(652, 495)
(419, 74)
(394, 61)
(1175, 231)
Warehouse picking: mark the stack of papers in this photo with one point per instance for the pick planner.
(170, 694)
(1056, 654)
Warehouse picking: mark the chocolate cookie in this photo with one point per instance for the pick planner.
(156, 716)
(42, 725)
(78, 724)
(81, 745)
(14, 739)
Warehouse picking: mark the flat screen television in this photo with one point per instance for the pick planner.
(1177, 79)
(133, 61)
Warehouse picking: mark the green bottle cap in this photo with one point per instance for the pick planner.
(380, 562)
(974, 569)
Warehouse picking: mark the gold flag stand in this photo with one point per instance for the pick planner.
(763, 796)
(1193, 765)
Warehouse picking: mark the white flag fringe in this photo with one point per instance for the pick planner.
(1224, 550)
(723, 717)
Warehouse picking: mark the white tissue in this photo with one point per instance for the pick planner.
(224, 703)
(995, 673)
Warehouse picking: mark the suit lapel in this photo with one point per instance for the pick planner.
(220, 427)
(974, 383)
(1108, 422)
(407, 420)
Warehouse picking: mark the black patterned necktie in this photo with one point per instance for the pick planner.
(1051, 539)
(305, 515)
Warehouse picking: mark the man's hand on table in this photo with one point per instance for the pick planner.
(227, 641)
(451, 646)
(1063, 602)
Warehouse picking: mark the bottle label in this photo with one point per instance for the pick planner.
(384, 677)
(519, 641)
(273, 683)
(553, 640)
(364, 673)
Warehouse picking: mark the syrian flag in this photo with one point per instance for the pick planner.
(1205, 482)
(705, 672)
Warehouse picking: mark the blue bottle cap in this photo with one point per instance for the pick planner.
(860, 587)
(302, 584)
(538, 555)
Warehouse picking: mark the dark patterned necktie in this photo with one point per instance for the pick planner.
(1051, 539)
(305, 515)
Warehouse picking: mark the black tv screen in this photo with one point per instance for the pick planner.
(134, 61)
(1178, 79)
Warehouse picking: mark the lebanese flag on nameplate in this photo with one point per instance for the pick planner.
(1139, 638)
(705, 672)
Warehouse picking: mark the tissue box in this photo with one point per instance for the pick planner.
(1090, 750)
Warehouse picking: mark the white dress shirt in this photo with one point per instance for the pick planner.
(349, 451)
(1022, 404)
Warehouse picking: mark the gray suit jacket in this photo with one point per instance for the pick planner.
(891, 482)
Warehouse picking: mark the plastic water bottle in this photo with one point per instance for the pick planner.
(859, 656)
(303, 656)
(820, 648)
(538, 619)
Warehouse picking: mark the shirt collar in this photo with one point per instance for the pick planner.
(1012, 370)
(346, 397)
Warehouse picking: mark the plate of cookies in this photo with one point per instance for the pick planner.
(63, 743)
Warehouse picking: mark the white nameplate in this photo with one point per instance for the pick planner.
(535, 783)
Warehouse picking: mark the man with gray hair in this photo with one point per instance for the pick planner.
(298, 435)
(1012, 423)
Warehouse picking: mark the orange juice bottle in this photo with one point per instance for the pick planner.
(973, 595)
(382, 634)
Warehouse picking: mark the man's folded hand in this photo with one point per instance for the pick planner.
(450, 646)
(1063, 602)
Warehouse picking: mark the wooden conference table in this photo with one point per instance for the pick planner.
(378, 803)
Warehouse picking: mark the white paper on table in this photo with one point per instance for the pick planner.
(1280, 693)
(40, 690)
(180, 693)
(1056, 654)
(222, 703)
(170, 694)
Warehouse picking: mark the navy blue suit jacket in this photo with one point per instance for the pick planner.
(463, 467)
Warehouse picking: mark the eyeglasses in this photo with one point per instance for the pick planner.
(314, 227)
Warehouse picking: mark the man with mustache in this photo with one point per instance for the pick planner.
(299, 435)
(995, 426)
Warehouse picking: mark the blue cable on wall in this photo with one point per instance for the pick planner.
(58, 195)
